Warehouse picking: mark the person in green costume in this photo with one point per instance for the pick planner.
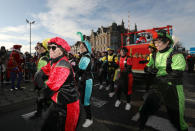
(168, 88)
(42, 51)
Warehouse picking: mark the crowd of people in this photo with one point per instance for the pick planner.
(66, 80)
(16, 65)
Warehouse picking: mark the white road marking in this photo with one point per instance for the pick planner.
(162, 124)
(96, 84)
(190, 100)
(97, 102)
(116, 124)
(28, 115)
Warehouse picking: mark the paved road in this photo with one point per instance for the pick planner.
(12, 121)
(106, 116)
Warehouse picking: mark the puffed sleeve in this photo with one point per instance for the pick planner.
(46, 69)
(57, 77)
(129, 61)
(84, 62)
(178, 66)
(129, 65)
(178, 62)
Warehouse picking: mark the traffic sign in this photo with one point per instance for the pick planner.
(192, 49)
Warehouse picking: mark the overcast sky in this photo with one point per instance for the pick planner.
(64, 18)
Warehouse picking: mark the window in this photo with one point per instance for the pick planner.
(103, 40)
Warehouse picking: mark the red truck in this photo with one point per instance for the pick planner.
(137, 44)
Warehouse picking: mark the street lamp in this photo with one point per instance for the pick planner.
(30, 22)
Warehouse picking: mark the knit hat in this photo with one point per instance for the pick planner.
(60, 42)
(45, 43)
(17, 47)
(109, 49)
(163, 35)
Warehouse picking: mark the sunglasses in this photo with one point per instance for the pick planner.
(37, 48)
(52, 47)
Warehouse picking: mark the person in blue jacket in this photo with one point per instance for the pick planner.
(85, 80)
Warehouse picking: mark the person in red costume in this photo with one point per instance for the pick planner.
(125, 79)
(15, 66)
(60, 87)
(141, 39)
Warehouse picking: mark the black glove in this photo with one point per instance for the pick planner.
(145, 69)
(175, 74)
(47, 93)
(143, 61)
(162, 81)
(78, 74)
(175, 77)
(151, 70)
(129, 69)
(115, 65)
(38, 79)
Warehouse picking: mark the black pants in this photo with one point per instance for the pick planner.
(110, 79)
(102, 76)
(171, 99)
(150, 106)
(118, 97)
(88, 112)
(54, 119)
(2, 74)
(149, 80)
(123, 87)
(190, 67)
(42, 104)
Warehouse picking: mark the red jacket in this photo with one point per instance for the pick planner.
(15, 61)
(124, 62)
(61, 81)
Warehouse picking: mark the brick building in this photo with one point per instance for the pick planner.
(105, 37)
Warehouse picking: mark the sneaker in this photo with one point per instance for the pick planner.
(128, 106)
(101, 86)
(87, 123)
(16, 88)
(136, 117)
(107, 88)
(111, 94)
(117, 103)
(11, 89)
